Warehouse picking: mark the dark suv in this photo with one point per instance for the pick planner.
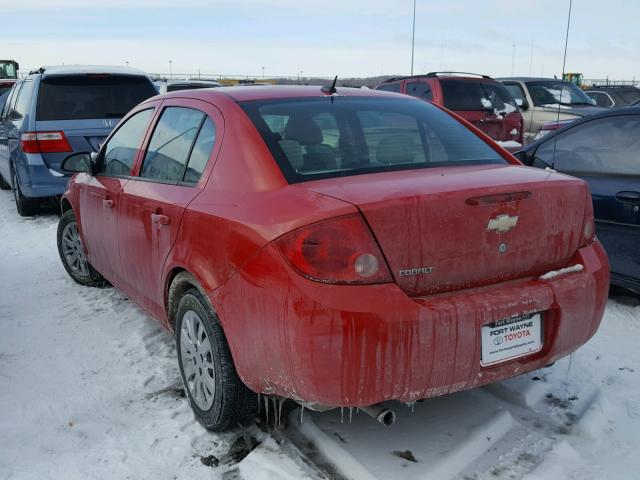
(479, 99)
(56, 111)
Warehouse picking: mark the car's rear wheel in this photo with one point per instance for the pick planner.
(27, 207)
(72, 253)
(217, 396)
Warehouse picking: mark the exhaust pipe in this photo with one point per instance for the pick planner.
(380, 413)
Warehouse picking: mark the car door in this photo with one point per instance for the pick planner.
(169, 177)
(605, 152)
(100, 194)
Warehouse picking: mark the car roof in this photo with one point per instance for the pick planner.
(463, 75)
(615, 88)
(87, 69)
(267, 92)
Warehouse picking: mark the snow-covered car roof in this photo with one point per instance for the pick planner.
(88, 69)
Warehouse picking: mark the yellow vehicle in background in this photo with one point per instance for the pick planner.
(575, 78)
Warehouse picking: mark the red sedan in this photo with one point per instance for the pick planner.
(338, 249)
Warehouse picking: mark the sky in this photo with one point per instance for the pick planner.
(332, 37)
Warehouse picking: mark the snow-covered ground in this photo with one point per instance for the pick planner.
(86, 393)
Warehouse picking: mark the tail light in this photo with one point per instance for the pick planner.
(341, 251)
(44, 142)
(588, 225)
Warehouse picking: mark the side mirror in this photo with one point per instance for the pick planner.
(78, 162)
(522, 156)
(522, 103)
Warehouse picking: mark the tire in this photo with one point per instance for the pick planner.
(4, 185)
(27, 207)
(72, 254)
(231, 402)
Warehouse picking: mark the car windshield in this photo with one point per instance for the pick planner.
(75, 97)
(629, 95)
(327, 137)
(557, 92)
(466, 95)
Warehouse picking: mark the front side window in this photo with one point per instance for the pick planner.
(557, 92)
(121, 150)
(313, 138)
(170, 144)
(474, 95)
(515, 90)
(601, 99)
(609, 145)
(419, 90)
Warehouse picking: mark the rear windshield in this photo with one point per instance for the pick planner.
(76, 97)
(187, 86)
(630, 95)
(467, 95)
(329, 137)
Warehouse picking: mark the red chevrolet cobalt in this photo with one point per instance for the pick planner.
(335, 248)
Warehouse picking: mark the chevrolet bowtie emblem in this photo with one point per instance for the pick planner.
(502, 223)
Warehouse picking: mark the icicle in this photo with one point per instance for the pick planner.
(266, 408)
(341, 414)
(280, 404)
(350, 414)
(259, 400)
(411, 405)
(301, 413)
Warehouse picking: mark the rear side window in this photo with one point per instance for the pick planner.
(313, 138)
(171, 143)
(604, 146)
(122, 148)
(9, 101)
(77, 97)
(24, 100)
(390, 87)
(468, 95)
(419, 90)
(201, 152)
(180, 146)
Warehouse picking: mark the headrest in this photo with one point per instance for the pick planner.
(395, 149)
(304, 130)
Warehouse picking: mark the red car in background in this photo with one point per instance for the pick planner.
(479, 99)
(335, 248)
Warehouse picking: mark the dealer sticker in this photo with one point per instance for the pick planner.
(511, 338)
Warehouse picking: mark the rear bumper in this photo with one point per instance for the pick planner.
(358, 345)
(37, 180)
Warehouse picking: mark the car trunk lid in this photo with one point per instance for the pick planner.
(460, 227)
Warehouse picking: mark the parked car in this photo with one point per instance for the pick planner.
(55, 111)
(479, 99)
(613, 96)
(174, 85)
(603, 150)
(542, 99)
(339, 250)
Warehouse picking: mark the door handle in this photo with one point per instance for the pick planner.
(160, 219)
(628, 197)
(108, 203)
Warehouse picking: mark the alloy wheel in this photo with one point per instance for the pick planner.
(197, 360)
(73, 251)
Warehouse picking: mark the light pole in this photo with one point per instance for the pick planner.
(413, 35)
(170, 70)
(263, 72)
(126, 63)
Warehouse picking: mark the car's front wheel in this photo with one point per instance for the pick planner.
(72, 253)
(217, 396)
(27, 207)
